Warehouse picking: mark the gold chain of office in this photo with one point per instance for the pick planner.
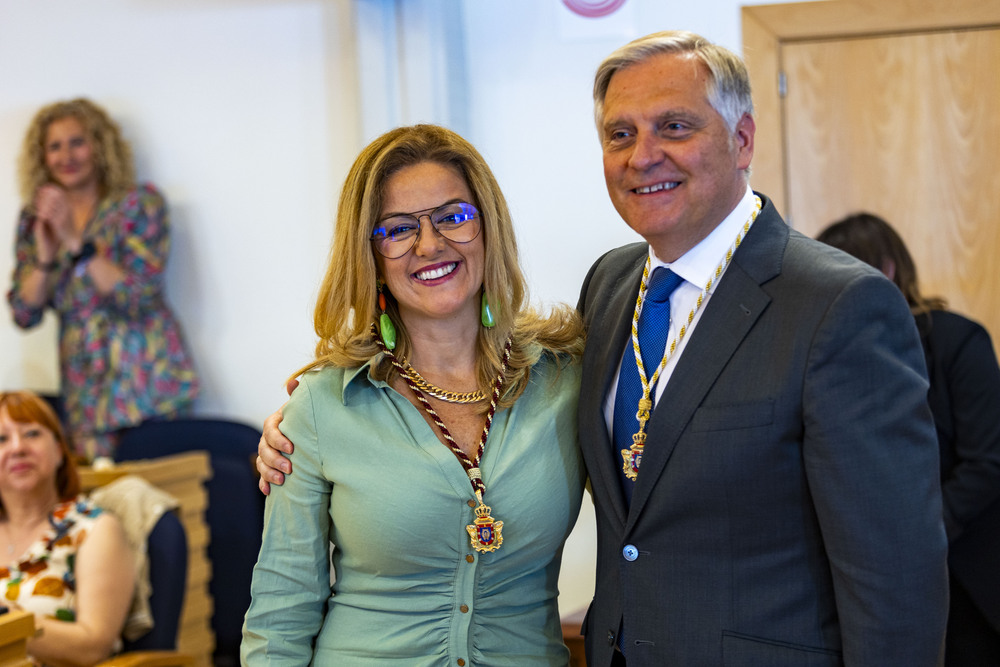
(632, 456)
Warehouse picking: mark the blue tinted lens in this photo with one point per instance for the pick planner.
(401, 228)
(458, 222)
(454, 214)
(396, 228)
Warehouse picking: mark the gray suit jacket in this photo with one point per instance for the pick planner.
(788, 507)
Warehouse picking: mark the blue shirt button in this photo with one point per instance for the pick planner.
(630, 552)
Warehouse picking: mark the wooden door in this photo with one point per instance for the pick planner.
(895, 110)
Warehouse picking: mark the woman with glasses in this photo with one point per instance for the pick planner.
(435, 439)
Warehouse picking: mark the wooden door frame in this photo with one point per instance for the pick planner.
(767, 27)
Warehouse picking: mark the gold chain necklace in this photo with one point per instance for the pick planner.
(632, 457)
(411, 373)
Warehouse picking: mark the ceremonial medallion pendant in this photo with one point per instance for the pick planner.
(486, 534)
(632, 457)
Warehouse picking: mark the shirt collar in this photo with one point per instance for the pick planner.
(698, 264)
(354, 375)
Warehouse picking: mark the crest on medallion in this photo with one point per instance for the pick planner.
(486, 534)
(631, 459)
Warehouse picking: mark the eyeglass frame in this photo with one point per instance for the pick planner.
(416, 216)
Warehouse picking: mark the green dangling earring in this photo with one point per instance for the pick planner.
(486, 315)
(386, 329)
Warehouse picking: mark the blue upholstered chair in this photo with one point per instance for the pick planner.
(167, 550)
(235, 513)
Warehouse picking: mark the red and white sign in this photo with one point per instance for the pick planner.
(593, 8)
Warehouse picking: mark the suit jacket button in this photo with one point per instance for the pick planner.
(611, 638)
(630, 552)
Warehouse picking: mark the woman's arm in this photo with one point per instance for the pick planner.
(34, 275)
(131, 273)
(104, 273)
(104, 574)
(973, 381)
(124, 269)
(55, 233)
(291, 580)
(33, 287)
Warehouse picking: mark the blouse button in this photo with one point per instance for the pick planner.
(471, 503)
(464, 608)
(470, 558)
(461, 663)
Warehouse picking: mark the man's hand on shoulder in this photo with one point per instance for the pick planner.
(271, 464)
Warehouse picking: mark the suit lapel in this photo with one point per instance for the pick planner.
(731, 313)
(607, 330)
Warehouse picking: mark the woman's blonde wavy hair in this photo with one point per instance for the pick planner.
(112, 154)
(347, 302)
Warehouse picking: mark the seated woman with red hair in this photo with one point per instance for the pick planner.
(61, 557)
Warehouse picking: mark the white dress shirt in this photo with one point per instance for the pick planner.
(696, 267)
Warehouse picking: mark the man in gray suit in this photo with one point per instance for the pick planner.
(775, 501)
(766, 488)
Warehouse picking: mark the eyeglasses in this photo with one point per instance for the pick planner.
(395, 235)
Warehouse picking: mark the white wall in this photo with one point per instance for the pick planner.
(228, 108)
(247, 114)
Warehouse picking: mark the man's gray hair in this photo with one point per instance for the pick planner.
(728, 87)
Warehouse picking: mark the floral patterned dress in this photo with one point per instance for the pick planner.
(42, 579)
(122, 356)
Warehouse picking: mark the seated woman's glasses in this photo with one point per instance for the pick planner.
(456, 221)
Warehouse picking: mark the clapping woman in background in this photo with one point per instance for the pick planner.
(92, 245)
(965, 399)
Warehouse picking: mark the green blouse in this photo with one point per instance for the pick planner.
(372, 478)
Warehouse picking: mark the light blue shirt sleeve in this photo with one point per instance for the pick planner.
(294, 563)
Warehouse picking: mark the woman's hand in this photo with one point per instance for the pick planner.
(46, 241)
(54, 223)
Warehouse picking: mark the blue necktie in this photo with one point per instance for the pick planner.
(654, 325)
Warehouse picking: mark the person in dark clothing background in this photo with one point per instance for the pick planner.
(964, 397)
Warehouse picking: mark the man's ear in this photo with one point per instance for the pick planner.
(743, 138)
